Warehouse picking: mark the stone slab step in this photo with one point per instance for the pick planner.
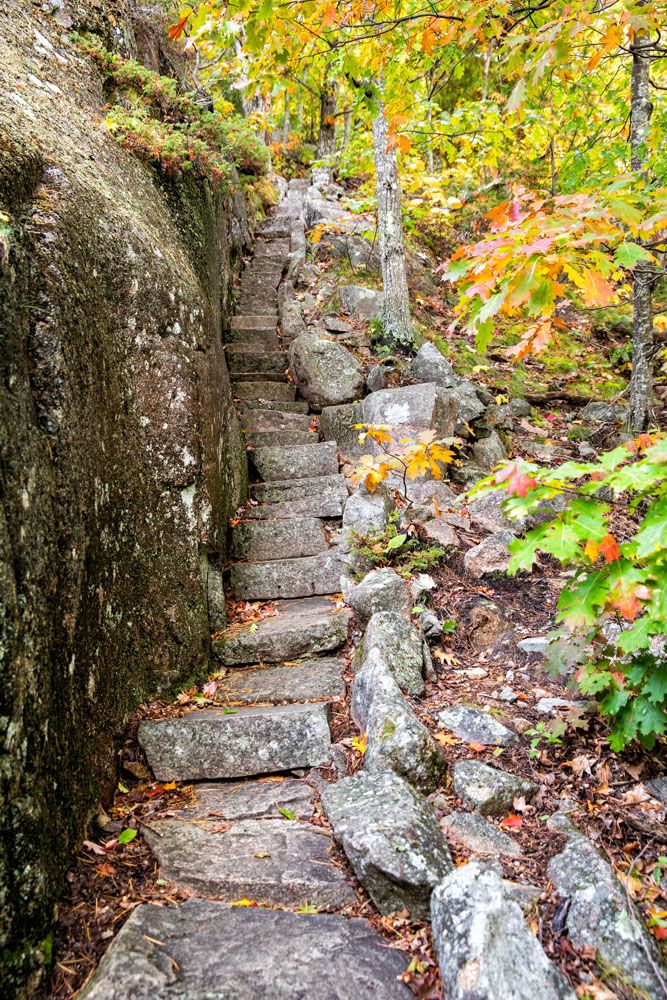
(248, 358)
(279, 439)
(274, 391)
(249, 799)
(302, 462)
(273, 247)
(217, 744)
(286, 490)
(301, 628)
(203, 950)
(252, 321)
(263, 270)
(267, 337)
(257, 540)
(277, 861)
(286, 578)
(286, 406)
(274, 420)
(259, 377)
(327, 506)
(312, 680)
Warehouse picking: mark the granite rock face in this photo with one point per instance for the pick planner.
(326, 372)
(487, 789)
(600, 914)
(359, 302)
(217, 744)
(121, 453)
(211, 951)
(485, 949)
(395, 738)
(391, 837)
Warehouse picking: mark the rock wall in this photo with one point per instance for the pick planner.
(120, 451)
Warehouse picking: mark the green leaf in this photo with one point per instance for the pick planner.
(628, 254)
(127, 836)
(655, 684)
(652, 534)
(287, 813)
(580, 602)
(396, 542)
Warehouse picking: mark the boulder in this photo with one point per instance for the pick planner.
(395, 738)
(376, 377)
(363, 513)
(474, 726)
(488, 790)
(326, 372)
(380, 590)
(658, 787)
(419, 407)
(487, 512)
(537, 645)
(337, 423)
(430, 365)
(440, 533)
(492, 555)
(489, 451)
(477, 834)
(488, 624)
(399, 645)
(484, 947)
(333, 324)
(359, 302)
(203, 950)
(391, 837)
(292, 323)
(601, 915)
(431, 625)
(471, 406)
(504, 415)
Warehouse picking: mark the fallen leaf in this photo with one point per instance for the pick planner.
(512, 822)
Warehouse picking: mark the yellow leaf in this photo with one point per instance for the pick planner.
(447, 739)
(359, 743)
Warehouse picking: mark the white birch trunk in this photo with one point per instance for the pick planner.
(641, 380)
(397, 323)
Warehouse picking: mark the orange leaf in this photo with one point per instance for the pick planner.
(591, 550)
(329, 15)
(597, 290)
(660, 933)
(609, 549)
(512, 822)
(176, 30)
(477, 747)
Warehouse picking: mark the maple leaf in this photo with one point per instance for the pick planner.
(597, 290)
(609, 548)
(359, 743)
(477, 747)
(209, 689)
(512, 822)
(592, 550)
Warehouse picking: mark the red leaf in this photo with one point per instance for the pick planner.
(176, 30)
(520, 483)
(515, 211)
(660, 933)
(512, 822)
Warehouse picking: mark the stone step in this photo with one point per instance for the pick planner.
(310, 680)
(279, 439)
(204, 950)
(301, 462)
(274, 420)
(272, 405)
(252, 321)
(273, 248)
(213, 801)
(272, 391)
(287, 490)
(258, 540)
(216, 744)
(279, 862)
(310, 576)
(327, 505)
(301, 628)
(247, 358)
(269, 310)
(264, 337)
(259, 377)
(263, 271)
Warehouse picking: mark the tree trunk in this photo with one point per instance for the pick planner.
(326, 140)
(641, 380)
(397, 323)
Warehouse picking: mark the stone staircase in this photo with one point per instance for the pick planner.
(253, 839)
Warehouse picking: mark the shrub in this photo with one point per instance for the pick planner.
(613, 609)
